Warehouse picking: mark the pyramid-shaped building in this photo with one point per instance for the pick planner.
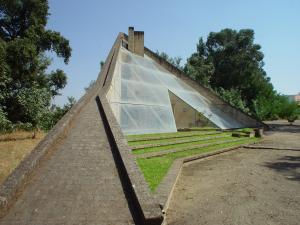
(149, 95)
(84, 166)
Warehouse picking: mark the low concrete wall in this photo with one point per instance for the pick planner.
(143, 202)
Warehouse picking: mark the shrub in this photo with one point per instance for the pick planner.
(233, 97)
(5, 124)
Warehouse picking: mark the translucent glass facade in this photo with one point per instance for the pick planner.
(140, 100)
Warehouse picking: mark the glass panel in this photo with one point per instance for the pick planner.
(140, 93)
(136, 119)
(138, 73)
(140, 100)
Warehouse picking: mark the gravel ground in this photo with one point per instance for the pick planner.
(245, 186)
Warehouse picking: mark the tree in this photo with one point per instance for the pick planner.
(55, 113)
(175, 61)
(199, 66)
(278, 106)
(231, 60)
(26, 88)
(233, 96)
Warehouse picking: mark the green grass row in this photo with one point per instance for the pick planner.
(154, 169)
(177, 138)
(182, 145)
(140, 137)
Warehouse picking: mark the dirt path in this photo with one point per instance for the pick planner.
(246, 186)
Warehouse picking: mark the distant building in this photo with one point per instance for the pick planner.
(294, 98)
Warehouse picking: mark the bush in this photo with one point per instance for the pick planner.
(32, 104)
(233, 97)
(291, 112)
(23, 126)
(276, 107)
(5, 124)
(52, 116)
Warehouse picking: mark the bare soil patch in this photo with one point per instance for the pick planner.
(246, 186)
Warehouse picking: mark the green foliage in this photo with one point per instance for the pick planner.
(26, 89)
(292, 112)
(57, 81)
(278, 106)
(289, 110)
(32, 104)
(175, 61)
(5, 124)
(233, 96)
(52, 116)
(199, 66)
(230, 63)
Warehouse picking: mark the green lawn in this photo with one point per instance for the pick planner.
(155, 168)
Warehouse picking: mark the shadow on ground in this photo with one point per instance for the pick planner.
(289, 166)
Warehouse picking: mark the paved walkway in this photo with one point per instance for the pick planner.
(246, 186)
(79, 184)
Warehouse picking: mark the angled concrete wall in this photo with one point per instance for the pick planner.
(240, 116)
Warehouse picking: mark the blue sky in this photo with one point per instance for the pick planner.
(174, 27)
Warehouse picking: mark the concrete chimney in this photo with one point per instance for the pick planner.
(136, 41)
(131, 39)
(139, 43)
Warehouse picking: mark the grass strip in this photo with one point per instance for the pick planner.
(205, 145)
(174, 139)
(178, 141)
(182, 145)
(168, 136)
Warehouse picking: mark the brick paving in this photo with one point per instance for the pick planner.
(79, 184)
